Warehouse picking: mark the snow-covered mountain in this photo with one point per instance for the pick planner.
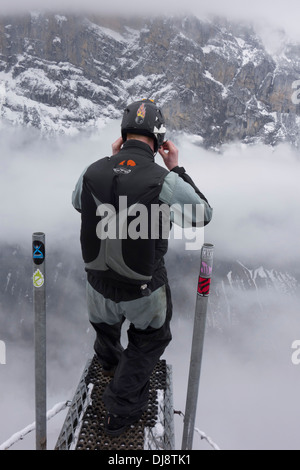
(242, 294)
(66, 73)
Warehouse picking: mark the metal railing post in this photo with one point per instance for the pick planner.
(206, 264)
(39, 303)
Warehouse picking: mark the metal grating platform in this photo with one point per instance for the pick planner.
(83, 428)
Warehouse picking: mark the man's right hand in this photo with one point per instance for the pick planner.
(169, 153)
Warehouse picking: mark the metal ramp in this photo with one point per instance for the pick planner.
(83, 428)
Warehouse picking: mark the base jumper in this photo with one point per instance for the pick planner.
(123, 250)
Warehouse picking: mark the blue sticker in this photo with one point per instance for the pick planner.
(38, 252)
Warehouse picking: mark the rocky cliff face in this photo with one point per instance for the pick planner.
(65, 73)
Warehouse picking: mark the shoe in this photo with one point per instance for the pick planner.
(115, 425)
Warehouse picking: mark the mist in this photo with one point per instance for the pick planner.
(268, 16)
(255, 196)
(249, 387)
(254, 191)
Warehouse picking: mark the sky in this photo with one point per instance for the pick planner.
(277, 13)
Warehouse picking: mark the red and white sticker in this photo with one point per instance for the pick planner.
(203, 286)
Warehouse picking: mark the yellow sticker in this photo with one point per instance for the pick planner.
(38, 278)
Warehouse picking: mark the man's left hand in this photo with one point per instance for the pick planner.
(116, 146)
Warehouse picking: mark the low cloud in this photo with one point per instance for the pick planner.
(37, 179)
(278, 14)
(255, 194)
(253, 190)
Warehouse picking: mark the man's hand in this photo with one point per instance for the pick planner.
(169, 153)
(116, 146)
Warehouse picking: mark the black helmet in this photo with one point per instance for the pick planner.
(145, 118)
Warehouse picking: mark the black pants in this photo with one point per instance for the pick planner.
(128, 391)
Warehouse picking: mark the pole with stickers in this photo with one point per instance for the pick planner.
(206, 264)
(39, 304)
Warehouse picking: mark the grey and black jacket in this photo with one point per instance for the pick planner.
(112, 190)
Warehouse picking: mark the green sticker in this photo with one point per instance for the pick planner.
(38, 278)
